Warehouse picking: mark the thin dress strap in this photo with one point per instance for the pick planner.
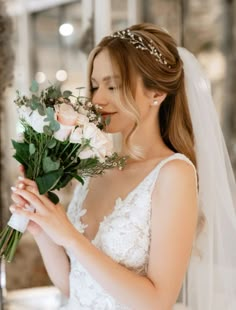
(166, 160)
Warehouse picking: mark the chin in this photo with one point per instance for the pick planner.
(119, 127)
(111, 129)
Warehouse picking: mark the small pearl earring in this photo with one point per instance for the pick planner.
(155, 102)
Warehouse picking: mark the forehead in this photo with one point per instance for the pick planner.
(103, 67)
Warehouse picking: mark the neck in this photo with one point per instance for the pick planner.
(149, 139)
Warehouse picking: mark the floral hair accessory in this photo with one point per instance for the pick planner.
(138, 43)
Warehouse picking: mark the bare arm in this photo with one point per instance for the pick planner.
(53, 255)
(56, 262)
(174, 218)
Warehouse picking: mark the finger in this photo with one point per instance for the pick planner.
(44, 199)
(12, 208)
(21, 170)
(29, 214)
(19, 185)
(27, 181)
(32, 199)
(18, 199)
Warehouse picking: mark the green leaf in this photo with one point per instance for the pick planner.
(51, 144)
(78, 178)
(54, 125)
(35, 102)
(50, 114)
(47, 130)
(41, 110)
(50, 165)
(48, 181)
(53, 197)
(20, 160)
(32, 149)
(67, 94)
(65, 179)
(107, 120)
(22, 152)
(34, 87)
(54, 92)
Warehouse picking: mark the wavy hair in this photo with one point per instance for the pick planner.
(174, 116)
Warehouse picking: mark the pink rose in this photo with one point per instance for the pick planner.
(66, 115)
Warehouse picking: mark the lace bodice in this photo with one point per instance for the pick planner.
(124, 235)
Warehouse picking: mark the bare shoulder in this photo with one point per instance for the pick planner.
(176, 185)
(177, 172)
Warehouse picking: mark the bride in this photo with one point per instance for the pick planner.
(132, 238)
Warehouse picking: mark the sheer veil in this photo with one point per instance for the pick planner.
(211, 278)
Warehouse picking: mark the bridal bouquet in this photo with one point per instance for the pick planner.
(61, 138)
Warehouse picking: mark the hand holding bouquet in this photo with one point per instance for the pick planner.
(61, 138)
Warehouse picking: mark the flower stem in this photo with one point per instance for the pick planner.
(9, 239)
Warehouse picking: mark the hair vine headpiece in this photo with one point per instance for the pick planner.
(138, 43)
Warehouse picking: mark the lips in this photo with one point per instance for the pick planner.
(108, 113)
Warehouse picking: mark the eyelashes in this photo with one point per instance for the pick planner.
(111, 88)
(93, 89)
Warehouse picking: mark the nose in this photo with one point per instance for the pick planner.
(99, 97)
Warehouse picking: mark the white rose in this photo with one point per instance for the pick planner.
(86, 153)
(24, 113)
(76, 135)
(20, 129)
(82, 119)
(32, 118)
(100, 142)
(37, 121)
(102, 145)
(89, 130)
(63, 133)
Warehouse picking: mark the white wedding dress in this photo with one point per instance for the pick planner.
(124, 235)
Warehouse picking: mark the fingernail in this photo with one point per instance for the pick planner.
(27, 206)
(21, 178)
(13, 188)
(21, 186)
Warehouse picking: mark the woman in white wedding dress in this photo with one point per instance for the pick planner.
(128, 235)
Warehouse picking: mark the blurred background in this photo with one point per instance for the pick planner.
(49, 40)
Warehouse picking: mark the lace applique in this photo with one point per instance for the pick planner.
(124, 235)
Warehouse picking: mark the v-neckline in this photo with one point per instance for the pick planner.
(118, 200)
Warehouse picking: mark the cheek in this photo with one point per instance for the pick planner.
(120, 122)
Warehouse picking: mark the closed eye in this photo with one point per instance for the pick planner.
(114, 87)
(93, 89)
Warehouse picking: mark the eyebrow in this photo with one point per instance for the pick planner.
(107, 78)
